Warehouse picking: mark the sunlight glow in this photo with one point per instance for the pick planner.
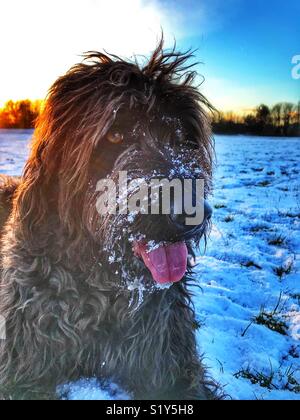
(48, 36)
(41, 39)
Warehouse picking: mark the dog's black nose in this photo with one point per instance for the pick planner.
(189, 222)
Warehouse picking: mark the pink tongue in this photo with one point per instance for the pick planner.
(168, 263)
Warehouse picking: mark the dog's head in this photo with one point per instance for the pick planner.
(114, 133)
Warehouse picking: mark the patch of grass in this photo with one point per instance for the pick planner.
(292, 383)
(249, 264)
(294, 352)
(271, 173)
(277, 240)
(271, 321)
(296, 296)
(284, 189)
(293, 215)
(229, 218)
(289, 214)
(220, 206)
(255, 377)
(265, 183)
(259, 228)
(282, 379)
(283, 269)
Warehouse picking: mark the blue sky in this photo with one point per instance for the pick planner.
(246, 46)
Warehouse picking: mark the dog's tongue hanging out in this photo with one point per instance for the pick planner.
(167, 263)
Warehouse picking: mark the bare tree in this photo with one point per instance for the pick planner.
(287, 113)
(263, 114)
(276, 114)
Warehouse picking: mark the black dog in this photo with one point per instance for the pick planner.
(83, 293)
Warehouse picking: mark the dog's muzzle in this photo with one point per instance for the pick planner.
(188, 231)
(167, 262)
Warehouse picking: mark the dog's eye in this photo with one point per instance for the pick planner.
(115, 137)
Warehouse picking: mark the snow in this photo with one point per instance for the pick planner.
(257, 199)
(91, 390)
(13, 150)
(250, 267)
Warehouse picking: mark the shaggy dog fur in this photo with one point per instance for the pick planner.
(8, 186)
(70, 283)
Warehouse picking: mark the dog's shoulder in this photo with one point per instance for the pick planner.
(8, 186)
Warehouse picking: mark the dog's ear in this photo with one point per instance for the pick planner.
(74, 118)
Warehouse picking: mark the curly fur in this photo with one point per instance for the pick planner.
(67, 315)
(8, 186)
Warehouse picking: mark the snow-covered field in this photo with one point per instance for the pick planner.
(249, 302)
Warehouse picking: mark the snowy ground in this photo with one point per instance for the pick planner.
(249, 303)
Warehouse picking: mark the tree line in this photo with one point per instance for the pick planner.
(283, 119)
(20, 114)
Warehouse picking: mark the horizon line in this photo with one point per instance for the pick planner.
(238, 111)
